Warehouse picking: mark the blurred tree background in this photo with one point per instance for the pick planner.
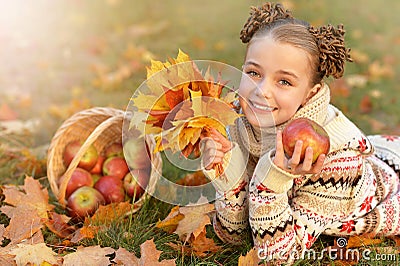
(59, 57)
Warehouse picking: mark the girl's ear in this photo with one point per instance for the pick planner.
(312, 92)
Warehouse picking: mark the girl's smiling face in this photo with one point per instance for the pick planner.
(280, 82)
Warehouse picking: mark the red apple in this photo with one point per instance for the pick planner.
(311, 133)
(114, 149)
(136, 181)
(112, 188)
(89, 158)
(137, 154)
(115, 166)
(98, 167)
(79, 178)
(84, 202)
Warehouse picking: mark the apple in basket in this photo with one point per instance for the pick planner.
(114, 149)
(136, 181)
(115, 166)
(112, 188)
(98, 167)
(84, 202)
(137, 154)
(89, 158)
(79, 178)
(311, 133)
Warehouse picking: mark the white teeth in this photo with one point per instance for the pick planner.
(262, 107)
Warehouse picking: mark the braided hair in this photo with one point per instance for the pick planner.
(325, 44)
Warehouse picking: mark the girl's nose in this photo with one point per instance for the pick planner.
(263, 89)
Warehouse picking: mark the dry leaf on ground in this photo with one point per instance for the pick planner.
(201, 246)
(88, 232)
(102, 218)
(124, 257)
(28, 209)
(105, 215)
(194, 221)
(33, 254)
(250, 259)
(58, 224)
(187, 221)
(149, 255)
(2, 229)
(170, 223)
(88, 256)
(362, 241)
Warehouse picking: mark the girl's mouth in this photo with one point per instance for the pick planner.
(262, 107)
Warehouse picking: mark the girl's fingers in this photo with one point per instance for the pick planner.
(295, 160)
(279, 159)
(226, 145)
(212, 157)
(211, 152)
(308, 159)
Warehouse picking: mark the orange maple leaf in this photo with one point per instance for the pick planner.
(101, 219)
(250, 259)
(107, 214)
(28, 209)
(363, 240)
(58, 224)
(202, 245)
(149, 255)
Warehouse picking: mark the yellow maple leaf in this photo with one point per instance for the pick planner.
(181, 104)
(170, 223)
(170, 74)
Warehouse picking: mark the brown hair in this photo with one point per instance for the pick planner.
(325, 45)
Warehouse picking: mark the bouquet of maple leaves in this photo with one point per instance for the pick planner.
(182, 104)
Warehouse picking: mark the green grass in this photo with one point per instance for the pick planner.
(51, 54)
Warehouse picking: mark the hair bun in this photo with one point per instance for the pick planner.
(333, 53)
(261, 16)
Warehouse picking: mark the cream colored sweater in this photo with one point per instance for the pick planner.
(356, 192)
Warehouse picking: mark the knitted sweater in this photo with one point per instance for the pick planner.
(356, 192)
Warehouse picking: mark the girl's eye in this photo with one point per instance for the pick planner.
(285, 82)
(252, 73)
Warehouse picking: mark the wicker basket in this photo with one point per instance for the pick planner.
(99, 126)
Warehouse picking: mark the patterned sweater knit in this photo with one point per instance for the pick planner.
(356, 192)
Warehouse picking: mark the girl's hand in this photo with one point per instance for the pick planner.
(293, 164)
(214, 147)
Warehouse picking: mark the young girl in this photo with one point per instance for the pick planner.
(288, 203)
